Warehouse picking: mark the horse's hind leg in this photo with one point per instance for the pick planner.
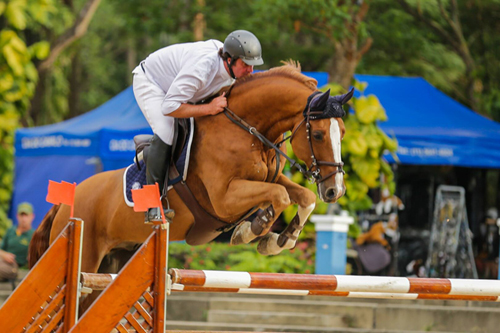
(273, 243)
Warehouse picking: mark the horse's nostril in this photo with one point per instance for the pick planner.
(330, 193)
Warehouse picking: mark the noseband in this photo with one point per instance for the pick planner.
(313, 172)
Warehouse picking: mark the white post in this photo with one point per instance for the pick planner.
(331, 242)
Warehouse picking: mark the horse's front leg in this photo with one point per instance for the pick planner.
(273, 243)
(242, 195)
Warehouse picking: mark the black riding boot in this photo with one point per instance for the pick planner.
(157, 165)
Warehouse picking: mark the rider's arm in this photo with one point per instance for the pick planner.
(188, 110)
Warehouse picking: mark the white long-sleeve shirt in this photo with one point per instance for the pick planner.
(187, 72)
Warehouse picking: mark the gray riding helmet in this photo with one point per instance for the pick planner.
(244, 45)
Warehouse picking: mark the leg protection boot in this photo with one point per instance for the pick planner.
(157, 166)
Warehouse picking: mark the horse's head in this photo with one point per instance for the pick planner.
(317, 141)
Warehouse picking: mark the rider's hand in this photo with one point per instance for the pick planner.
(218, 104)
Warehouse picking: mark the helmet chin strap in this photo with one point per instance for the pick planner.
(230, 66)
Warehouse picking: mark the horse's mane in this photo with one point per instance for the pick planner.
(290, 69)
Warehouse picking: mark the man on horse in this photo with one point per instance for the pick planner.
(169, 80)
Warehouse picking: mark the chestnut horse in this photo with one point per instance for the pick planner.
(229, 172)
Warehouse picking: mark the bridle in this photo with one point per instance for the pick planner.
(313, 172)
(314, 169)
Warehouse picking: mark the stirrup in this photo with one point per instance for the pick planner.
(153, 215)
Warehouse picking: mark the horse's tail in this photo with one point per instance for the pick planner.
(40, 241)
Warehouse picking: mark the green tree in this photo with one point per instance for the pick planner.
(18, 77)
(443, 19)
(452, 44)
(362, 148)
(68, 25)
(338, 24)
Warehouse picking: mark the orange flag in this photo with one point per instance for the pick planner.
(146, 197)
(63, 193)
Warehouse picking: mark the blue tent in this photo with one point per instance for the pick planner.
(75, 149)
(431, 128)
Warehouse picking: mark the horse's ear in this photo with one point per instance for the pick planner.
(342, 99)
(319, 102)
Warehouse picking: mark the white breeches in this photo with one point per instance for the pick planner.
(150, 97)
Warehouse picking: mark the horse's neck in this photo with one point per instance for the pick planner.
(271, 112)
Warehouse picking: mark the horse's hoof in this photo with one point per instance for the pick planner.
(242, 234)
(268, 245)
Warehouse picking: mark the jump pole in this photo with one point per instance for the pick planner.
(370, 295)
(101, 281)
(338, 283)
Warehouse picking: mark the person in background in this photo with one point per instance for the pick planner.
(488, 246)
(14, 246)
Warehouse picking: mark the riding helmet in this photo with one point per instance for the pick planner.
(244, 45)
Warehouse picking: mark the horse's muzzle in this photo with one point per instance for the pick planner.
(329, 193)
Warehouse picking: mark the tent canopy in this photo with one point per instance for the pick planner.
(431, 129)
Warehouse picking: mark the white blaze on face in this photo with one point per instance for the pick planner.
(336, 146)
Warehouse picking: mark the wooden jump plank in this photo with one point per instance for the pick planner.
(120, 296)
(144, 313)
(121, 329)
(37, 286)
(54, 305)
(73, 275)
(160, 279)
(135, 324)
(55, 321)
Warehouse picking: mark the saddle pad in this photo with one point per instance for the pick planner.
(134, 179)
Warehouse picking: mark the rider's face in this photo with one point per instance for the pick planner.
(241, 69)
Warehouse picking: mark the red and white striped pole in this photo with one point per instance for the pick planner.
(338, 283)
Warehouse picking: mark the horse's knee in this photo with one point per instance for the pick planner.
(304, 211)
(280, 199)
(307, 198)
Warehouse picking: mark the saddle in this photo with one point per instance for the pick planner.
(206, 227)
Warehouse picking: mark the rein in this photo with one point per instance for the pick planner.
(243, 124)
(312, 175)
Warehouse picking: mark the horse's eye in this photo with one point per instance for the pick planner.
(318, 136)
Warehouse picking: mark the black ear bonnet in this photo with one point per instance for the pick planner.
(322, 105)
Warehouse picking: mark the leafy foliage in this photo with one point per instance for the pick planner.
(362, 149)
(18, 77)
(405, 47)
(221, 256)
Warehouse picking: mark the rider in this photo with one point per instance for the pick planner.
(169, 80)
